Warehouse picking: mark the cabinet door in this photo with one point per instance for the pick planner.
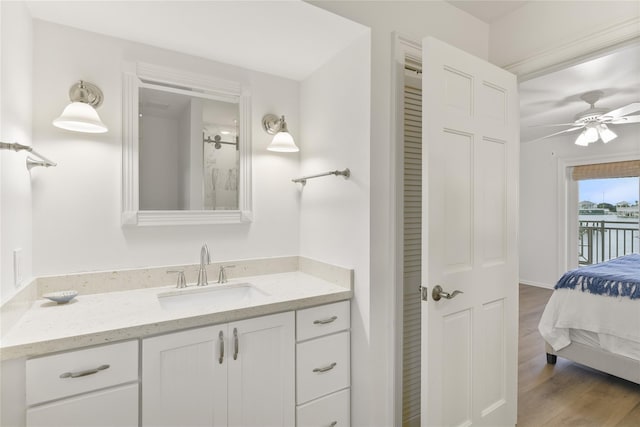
(262, 374)
(116, 407)
(184, 382)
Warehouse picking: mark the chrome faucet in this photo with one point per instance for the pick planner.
(205, 259)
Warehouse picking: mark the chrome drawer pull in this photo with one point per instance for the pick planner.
(333, 424)
(235, 344)
(325, 321)
(221, 339)
(84, 373)
(326, 368)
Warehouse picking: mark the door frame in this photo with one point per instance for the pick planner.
(403, 47)
(573, 52)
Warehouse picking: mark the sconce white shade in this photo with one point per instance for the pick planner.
(80, 117)
(282, 140)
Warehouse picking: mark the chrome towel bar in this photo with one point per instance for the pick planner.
(303, 180)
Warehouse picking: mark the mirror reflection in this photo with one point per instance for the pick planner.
(189, 151)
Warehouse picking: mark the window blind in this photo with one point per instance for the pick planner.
(625, 169)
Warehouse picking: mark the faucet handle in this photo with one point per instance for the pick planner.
(182, 282)
(222, 274)
(205, 256)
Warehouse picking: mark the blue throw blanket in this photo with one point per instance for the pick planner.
(616, 277)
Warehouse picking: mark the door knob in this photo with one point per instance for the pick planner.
(438, 293)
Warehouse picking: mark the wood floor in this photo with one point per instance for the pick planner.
(566, 394)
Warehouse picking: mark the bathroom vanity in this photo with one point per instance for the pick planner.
(278, 357)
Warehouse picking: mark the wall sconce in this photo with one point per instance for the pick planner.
(282, 140)
(80, 115)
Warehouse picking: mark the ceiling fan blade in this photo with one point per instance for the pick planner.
(622, 111)
(626, 119)
(553, 125)
(558, 133)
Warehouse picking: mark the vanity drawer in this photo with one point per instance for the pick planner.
(114, 407)
(322, 366)
(66, 374)
(322, 320)
(332, 410)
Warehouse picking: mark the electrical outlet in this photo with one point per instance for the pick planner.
(17, 267)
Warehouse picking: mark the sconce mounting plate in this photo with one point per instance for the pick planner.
(86, 92)
(271, 123)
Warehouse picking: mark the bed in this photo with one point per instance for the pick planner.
(593, 317)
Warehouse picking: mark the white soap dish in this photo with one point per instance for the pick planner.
(61, 297)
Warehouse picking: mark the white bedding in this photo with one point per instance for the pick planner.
(614, 320)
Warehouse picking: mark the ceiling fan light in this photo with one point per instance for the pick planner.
(591, 134)
(606, 134)
(581, 140)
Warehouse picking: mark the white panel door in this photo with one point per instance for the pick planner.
(261, 371)
(469, 239)
(184, 378)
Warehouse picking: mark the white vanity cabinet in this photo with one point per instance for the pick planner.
(323, 366)
(91, 387)
(237, 374)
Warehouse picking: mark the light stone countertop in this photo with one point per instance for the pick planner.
(115, 316)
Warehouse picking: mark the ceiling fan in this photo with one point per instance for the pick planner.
(593, 122)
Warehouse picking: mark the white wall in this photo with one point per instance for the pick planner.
(334, 212)
(76, 205)
(15, 126)
(416, 19)
(540, 257)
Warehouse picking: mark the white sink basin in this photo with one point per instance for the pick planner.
(212, 297)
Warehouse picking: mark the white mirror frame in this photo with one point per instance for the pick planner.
(224, 90)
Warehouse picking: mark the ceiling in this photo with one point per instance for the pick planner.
(286, 38)
(488, 11)
(555, 97)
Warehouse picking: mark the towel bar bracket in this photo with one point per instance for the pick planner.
(30, 162)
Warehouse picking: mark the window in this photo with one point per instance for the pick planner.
(608, 214)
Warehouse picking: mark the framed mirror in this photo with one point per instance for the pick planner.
(186, 149)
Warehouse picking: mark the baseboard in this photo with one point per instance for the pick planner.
(537, 284)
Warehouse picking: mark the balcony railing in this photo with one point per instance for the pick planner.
(599, 241)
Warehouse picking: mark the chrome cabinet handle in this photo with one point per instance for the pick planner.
(221, 341)
(325, 321)
(235, 344)
(84, 373)
(326, 368)
(438, 293)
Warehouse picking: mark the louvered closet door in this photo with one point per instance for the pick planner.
(412, 253)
